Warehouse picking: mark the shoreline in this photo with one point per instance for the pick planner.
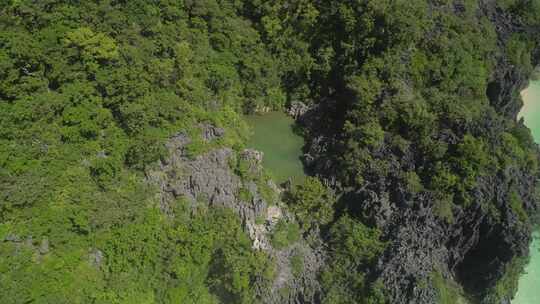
(530, 111)
(526, 98)
(529, 280)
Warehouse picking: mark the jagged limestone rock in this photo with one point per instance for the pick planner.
(209, 180)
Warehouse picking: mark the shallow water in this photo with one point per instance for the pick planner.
(531, 109)
(273, 135)
(529, 283)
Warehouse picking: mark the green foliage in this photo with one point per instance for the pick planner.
(267, 192)
(412, 182)
(472, 159)
(508, 284)
(89, 93)
(297, 264)
(204, 259)
(444, 209)
(354, 248)
(244, 195)
(250, 171)
(312, 203)
(91, 90)
(517, 206)
(519, 52)
(371, 134)
(92, 46)
(284, 234)
(407, 89)
(448, 291)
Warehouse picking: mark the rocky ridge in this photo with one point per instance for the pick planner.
(475, 248)
(209, 180)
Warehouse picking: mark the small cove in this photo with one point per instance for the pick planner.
(529, 282)
(282, 148)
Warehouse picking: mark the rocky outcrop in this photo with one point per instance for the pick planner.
(417, 248)
(297, 109)
(472, 248)
(507, 78)
(96, 257)
(211, 132)
(209, 180)
(40, 248)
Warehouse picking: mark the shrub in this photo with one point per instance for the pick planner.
(284, 234)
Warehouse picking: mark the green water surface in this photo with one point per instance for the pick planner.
(529, 283)
(282, 148)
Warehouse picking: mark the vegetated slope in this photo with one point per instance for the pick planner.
(422, 97)
(416, 100)
(89, 93)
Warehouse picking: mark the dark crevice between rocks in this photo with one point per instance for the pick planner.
(493, 91)
(484, 263)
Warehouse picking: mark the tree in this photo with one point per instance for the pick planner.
(312, 203)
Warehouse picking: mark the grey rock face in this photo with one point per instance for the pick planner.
(475, 248)
(209, 180)
(29, 243)
(44, 246)
(211, 132)
(508, 78)
(96, 257)
(297, 109)
(12, 238)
